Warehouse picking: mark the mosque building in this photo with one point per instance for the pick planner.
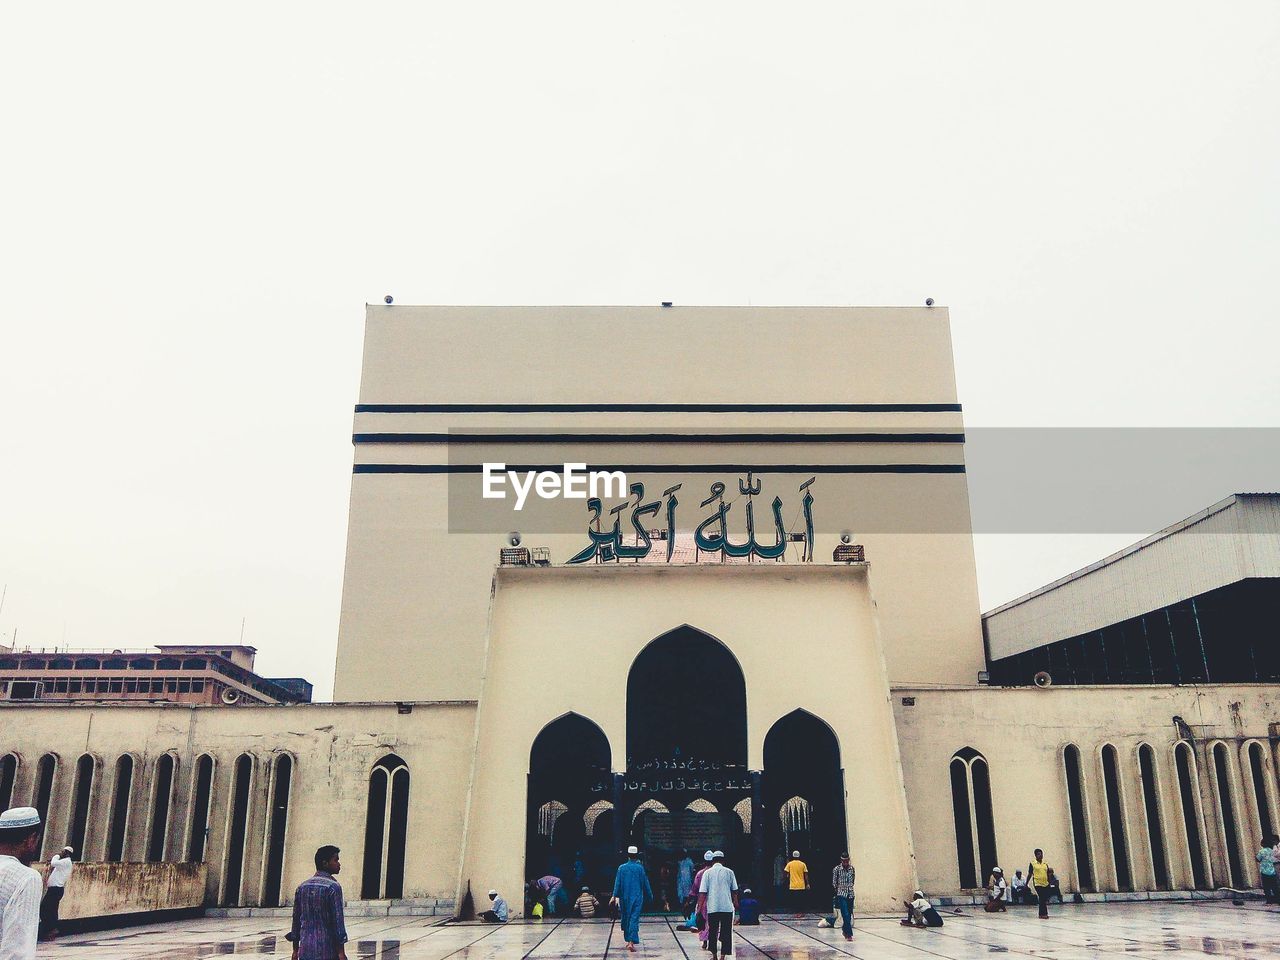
(710, 584)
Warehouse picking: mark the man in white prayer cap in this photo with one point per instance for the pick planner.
(630, 890)
(500, 911)
(20, 886)
(703, 926)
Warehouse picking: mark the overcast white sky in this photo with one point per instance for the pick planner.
(199, 200)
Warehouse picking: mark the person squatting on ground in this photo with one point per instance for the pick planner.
(20, 834)
(1038, 873)
(630, 890)
(748, 909)
(1267, 858)
(719, 894)
(60, 867)
(319, 929)
(920, 912)
(997, 892)
(499, 912)
(842, 885)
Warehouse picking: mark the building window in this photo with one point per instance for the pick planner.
(1115, 817)
(1188, 791)
(120, 809)
(281, 781)
(202, 789)
(386, 827)
(1079, 821)
(46, 769)
(1151, 809)
(242, 777)
(1227, 809)
(160, 808)
(974, 823)
(80, 800)
(1261, 798)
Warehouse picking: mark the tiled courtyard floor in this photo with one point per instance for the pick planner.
(1163, 930)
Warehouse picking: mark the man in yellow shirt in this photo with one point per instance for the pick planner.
(797, 881)
(1038, 878)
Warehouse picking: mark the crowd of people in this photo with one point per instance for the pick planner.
(708, 896)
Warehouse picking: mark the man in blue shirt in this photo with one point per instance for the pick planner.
(500, 911)
(319, 931)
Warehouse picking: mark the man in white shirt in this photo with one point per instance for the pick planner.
(19, 884)
(1018, 888)
(719, 890)
(60, 867)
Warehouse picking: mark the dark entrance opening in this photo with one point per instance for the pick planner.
(282, 775)
(687, 753)
(160, 808)
(803, 799)
(241, 777)
(569, 824)
(200, 809)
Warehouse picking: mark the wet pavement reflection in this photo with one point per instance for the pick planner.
(1167, 930)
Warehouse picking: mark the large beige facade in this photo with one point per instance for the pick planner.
(865, 396)
(493, 718)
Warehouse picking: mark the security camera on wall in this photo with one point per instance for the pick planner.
(513, 538)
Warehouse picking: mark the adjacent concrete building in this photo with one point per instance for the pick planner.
(169, 673)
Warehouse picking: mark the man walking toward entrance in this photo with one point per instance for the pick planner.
(720, 893)
(797, 882)
(630, 890)
(684, 880)
(842, 885)
(319, 931)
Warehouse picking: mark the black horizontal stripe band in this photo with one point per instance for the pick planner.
(763, 469)
(657, 408)
(359, 438)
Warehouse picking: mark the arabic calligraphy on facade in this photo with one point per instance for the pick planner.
(711, 534)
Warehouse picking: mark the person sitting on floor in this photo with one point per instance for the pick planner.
(920, 912)
(499, 913)
(1054, 889)
(586, 906)
(748, 909)
(1018, 888)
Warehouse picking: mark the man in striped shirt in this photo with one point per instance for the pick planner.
(319, 931)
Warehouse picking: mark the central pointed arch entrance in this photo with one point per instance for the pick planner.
(686, 768)
(803, 798)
